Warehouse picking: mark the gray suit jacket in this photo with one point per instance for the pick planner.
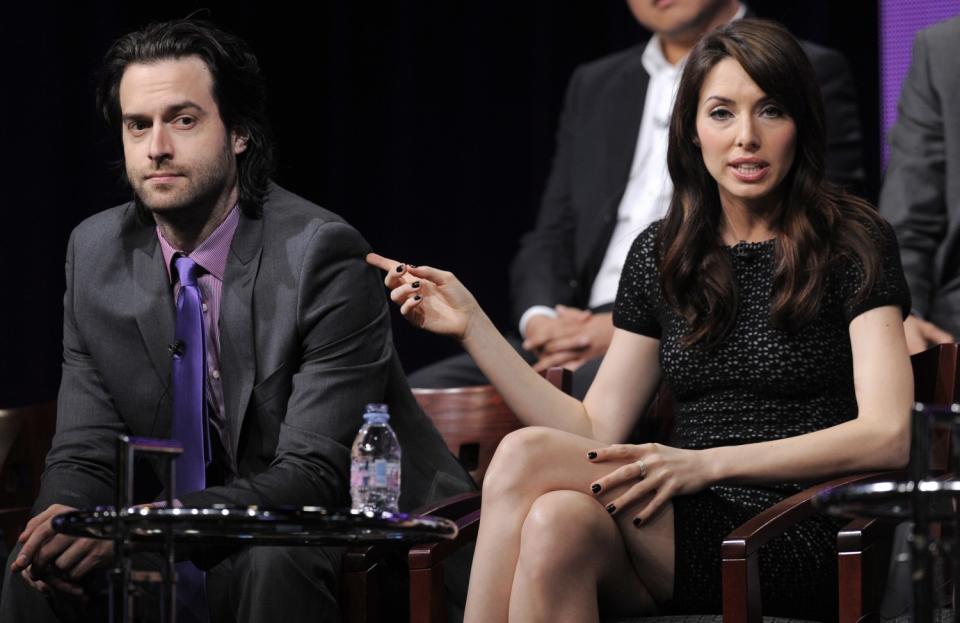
(921, 190)
(305, 345)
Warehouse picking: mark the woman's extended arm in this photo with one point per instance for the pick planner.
(436, 301)
(877, 439)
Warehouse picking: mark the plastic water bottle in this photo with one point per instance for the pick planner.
(375, 463)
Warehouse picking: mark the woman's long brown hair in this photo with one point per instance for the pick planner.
(816, 223)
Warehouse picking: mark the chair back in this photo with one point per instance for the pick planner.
(864, 544)
(11, 420)
(936, 380)
(25, 437)
(473, 420)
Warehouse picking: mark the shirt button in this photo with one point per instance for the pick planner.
(215, 374)
(204, 305)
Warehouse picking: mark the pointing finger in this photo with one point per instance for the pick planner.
(383, 263)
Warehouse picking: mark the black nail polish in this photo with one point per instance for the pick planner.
(415, 284)
(611, 508)
(400, 268)
(417, 297)
(637, 521)
(591, 455)
(595, 488)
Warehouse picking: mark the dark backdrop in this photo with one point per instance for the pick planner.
(426, 124)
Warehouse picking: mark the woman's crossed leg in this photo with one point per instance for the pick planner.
(548, 549)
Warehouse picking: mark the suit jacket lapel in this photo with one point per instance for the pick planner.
(621, 131)
(623, 124)
(237, 348)
(152, 299)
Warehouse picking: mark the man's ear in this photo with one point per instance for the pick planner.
(240, 140)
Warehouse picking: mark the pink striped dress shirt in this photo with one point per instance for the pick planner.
(211, 255)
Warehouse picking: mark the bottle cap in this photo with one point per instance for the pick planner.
(376, 412)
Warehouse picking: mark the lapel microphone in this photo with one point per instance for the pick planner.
(176, 348)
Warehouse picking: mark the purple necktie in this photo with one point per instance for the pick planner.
(190, 422)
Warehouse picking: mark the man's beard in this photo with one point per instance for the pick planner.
(195, 200)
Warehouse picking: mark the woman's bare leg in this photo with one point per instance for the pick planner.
(529, 463)
(574, 564)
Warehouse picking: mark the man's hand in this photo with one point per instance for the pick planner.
(572, 338)
(921, 334)
(51, 560)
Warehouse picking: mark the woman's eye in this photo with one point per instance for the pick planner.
(720, 114)
(772, 111)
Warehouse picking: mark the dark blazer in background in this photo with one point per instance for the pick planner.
(559, 260)
(921, 189)
(305, 345)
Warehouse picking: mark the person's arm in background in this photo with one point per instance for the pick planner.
(543, 273)
(913, 195)
(543, 268)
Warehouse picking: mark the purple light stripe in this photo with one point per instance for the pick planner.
(900, 20)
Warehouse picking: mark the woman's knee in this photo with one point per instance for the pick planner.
(515, 461)
(563, 532)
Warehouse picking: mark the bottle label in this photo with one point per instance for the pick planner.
(379, 473)
(386, 474)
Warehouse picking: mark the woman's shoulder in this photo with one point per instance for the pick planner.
(863, 287)
(642, 263)
(645, 244)
(876, 235)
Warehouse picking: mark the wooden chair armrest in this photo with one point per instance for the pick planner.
(856, 535)
(427, 594)
(429, 555)
(464, 510)
(861, 533)
(451, 507)
(740, 566)
(863, 552)
(754, 534)
(561, 378)
(361, 564)
(364, 557)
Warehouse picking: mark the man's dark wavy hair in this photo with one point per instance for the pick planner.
(238, 88)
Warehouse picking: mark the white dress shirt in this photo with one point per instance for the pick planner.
(647, 195)
(649, 188)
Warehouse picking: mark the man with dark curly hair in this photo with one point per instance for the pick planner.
(291, 339)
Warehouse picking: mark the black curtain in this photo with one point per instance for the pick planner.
(426, 124)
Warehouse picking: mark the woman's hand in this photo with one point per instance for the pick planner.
(429, 298)
(658, 473)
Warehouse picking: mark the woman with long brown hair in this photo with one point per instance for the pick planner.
(770, 302)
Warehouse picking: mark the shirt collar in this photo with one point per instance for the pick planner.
(212, 253)
(655, 62)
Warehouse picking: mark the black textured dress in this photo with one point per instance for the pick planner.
(760, 384)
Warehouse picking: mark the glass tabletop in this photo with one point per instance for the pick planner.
(891, 500)
(222, 525)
